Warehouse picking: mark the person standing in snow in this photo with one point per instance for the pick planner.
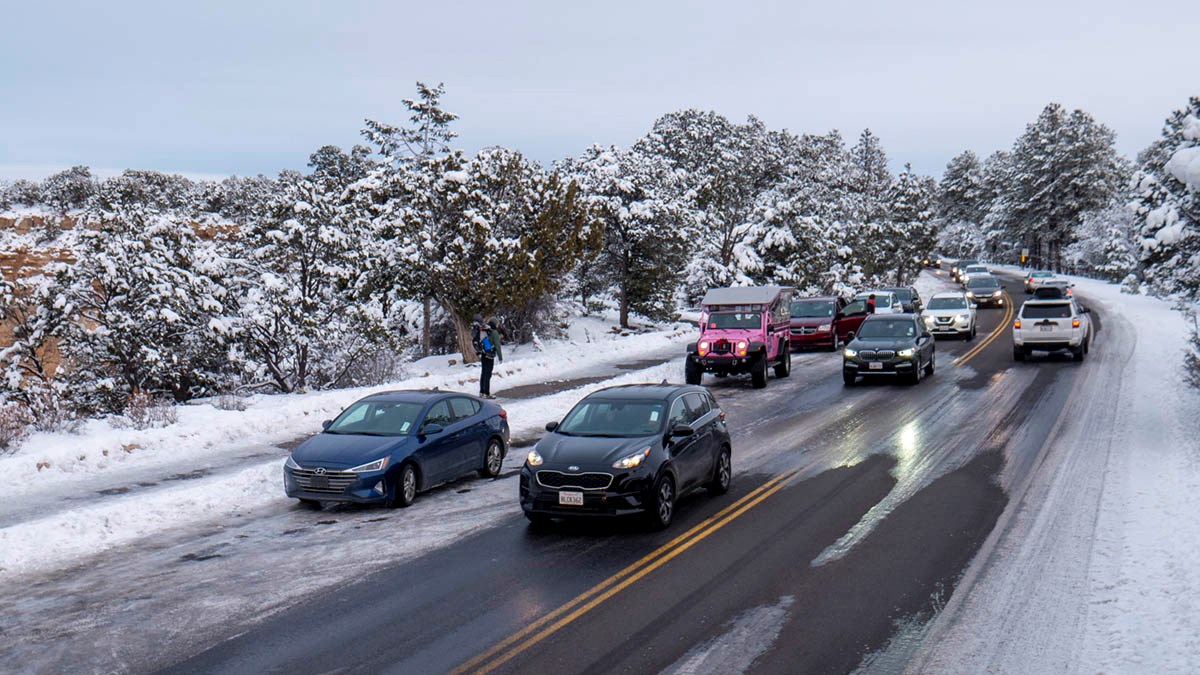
(486, 340)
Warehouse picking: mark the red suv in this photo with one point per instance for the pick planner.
(814, 322)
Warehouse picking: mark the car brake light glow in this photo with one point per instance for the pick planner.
(1074, 323)
(722, 415)
(503, 414)
(1017, 324)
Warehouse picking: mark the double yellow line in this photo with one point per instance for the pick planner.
(583, 603)
(1009, 311)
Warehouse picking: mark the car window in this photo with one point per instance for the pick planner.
(712, 401)
(856, 307)
(377, 418)
(735, 320)
(463, 407)
(812, 309)
(679, 413)
(888, 328)
(1043, 311)
(697, 405)
(613, 418)
(439, 414)
(947, 303)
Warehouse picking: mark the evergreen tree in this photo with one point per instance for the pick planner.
(869, 178)
(914, 234)
(961, 194)
(68, 190)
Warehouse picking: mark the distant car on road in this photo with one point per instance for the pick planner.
(971, 271)
(1035, 279)
(910, 298)
(389, 446)
(886, 302)
(895, 345)
(951, 313)
(814, 322)
(985, 291)
(1052, 326)
(1053, 289)
(633, 449)
(959, 266)
(743, 330)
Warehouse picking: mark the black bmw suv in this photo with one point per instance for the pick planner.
(633, 449)
(891, 345)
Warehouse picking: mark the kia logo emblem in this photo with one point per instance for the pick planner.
(320, 471)
(572, 468)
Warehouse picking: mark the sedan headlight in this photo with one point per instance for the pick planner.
(291, 463)
(849, 353)
(369, 467)
(905, 353)
(533, 458)
(632, 461)
(996, 294)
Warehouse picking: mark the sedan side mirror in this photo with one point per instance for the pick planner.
(551, 426)
(326, 424)
(681, 429)
(431, 429)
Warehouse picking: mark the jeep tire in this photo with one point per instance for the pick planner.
(692, 374)
(758, 372)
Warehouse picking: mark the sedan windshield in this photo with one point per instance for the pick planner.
(888, 328)
(947, 303)
(812, 309)
(735, 320)
(377, 418)
(618, 419)
(904, 294)
(984, 284)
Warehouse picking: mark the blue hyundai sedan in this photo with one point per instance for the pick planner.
(389, 446)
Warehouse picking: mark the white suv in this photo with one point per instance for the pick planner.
(1051, 326)
(950, 314)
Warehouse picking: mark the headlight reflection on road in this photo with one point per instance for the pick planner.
(906, 443)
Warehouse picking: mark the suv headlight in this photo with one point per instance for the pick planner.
(964, 317)
(291, 463)
(996, 294)
(369, 467)
(849, 353)
(533, 458)
(905, 353)
(825, 327)
(632, 461)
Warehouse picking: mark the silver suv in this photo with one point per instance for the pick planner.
(1052, 326)
(950, 314)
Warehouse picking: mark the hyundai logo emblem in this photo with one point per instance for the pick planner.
(572, 468)
(320, 471)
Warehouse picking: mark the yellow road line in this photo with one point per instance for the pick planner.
(631, 573)
(1009, 312)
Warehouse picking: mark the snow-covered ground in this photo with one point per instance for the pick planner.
(218, 464)
(1093, 567)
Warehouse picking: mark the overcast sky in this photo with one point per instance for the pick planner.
(242, 87)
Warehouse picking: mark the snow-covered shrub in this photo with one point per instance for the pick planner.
(69, 190)
(228, 402)
(14, 426)
(143, 411)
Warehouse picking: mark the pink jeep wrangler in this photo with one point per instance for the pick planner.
(742, 330)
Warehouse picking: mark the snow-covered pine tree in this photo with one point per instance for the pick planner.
(637, 198)
(914, 234)
(29, 361)
(1064, 165)
(961, 194)
(147, 310)
(1106, 244)
(1166, 204)
(869, 178)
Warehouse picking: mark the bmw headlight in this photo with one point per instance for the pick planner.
(905, 353)
(369, 467)
(533, 458)
(849, 353)
(291, 463)
(632, 461)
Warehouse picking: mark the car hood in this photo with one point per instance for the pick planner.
(811, 321)
(345, 450)
(558, 450)
(859, 344)
(945, 312)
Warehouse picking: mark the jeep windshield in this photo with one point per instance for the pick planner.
(887, 328)
(720, 320)
(947, 303)
(616, 419)
(812, 309)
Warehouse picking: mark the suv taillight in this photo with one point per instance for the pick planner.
(1017, 324)
(1074, 323)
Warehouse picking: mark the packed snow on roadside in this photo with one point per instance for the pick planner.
(1093, 567)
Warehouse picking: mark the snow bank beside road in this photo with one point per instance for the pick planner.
(1093, 567)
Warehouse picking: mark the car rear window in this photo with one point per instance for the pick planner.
(464, 407)
(1046, 311)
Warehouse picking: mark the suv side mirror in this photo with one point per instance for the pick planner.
(431, 429)
(926, 335)
(326, 424)
(680, 430)
(551, 426)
